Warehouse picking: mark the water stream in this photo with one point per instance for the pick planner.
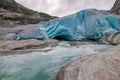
(44, 65)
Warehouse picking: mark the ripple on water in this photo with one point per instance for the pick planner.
(43, 65)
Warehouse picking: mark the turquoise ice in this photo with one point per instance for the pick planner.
(89, 23)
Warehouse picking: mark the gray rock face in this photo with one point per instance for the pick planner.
(12, 13)
(10, 33)
(11, 45)
(102, 66)
(10, 19)
(116, 8)
(113, 39)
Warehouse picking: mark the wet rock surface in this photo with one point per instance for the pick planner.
(101, 66)
(113, 39)
(6, 33)
(10, 19)
(12, 14)
(12, 45)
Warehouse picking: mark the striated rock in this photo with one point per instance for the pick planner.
(10, 19)
(8, 45)
(10, 36)
(102, 66)
(12, 13)
(116, 8)
(113, 39)
(10, 33)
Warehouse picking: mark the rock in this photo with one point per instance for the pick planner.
(12, 13)
(116, 39)
(11, 33)
(116, 8)
(12, 18)
(113, 39)
(13, 6)
(10, 36)
(101, 66)
(8, 45)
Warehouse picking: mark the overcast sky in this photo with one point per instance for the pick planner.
(65, 7)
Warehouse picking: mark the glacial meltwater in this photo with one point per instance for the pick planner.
(44, 65)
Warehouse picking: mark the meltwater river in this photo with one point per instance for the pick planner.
(44, 65)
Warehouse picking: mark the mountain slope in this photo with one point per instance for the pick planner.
(12, 13)
(116, 8)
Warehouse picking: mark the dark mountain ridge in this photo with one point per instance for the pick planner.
(116, 8)
(12, 13)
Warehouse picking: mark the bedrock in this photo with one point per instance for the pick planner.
(101, 66)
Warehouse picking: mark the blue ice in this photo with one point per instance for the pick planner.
(91, 23)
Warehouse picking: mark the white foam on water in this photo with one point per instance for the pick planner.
(43, 65)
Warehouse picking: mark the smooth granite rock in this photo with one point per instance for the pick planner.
(113, 39)
(101, 66)
(10, 45)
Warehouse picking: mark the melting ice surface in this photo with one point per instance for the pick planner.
(90, 23)
(44, 65)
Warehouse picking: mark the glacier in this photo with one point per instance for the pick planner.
(45, 65)
(90, 24)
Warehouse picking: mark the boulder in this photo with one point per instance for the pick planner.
(101, 66)
(113, 39)
(8, 45)
(12, 33)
